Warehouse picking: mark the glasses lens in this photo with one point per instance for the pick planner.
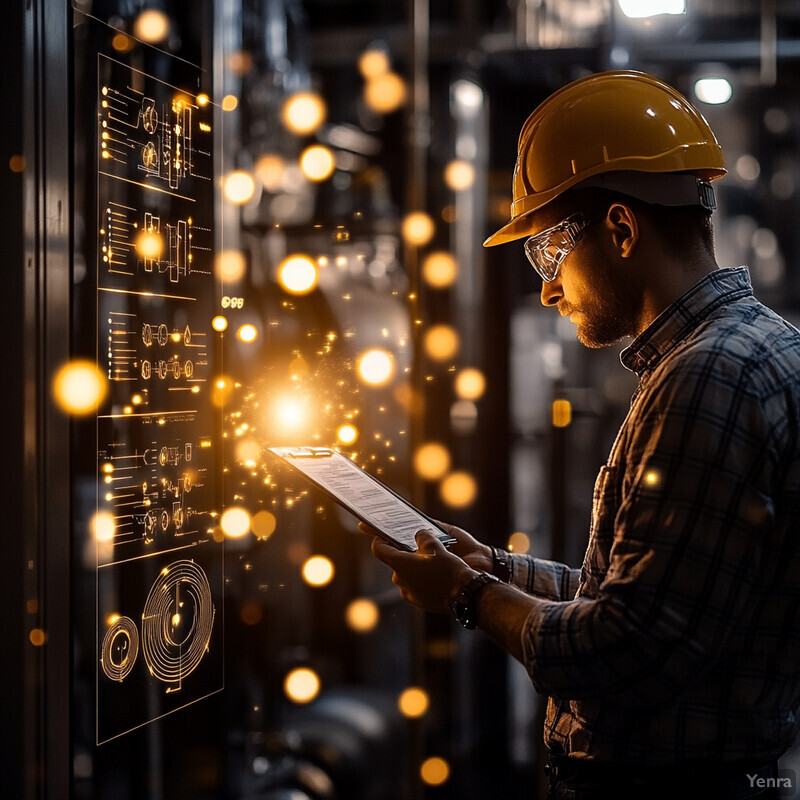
(546, 250)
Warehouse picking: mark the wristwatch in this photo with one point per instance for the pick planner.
(464, 606)
(501, 564)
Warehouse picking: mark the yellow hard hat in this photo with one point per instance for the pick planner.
(620, 122)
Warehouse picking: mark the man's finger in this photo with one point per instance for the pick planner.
(428, 542)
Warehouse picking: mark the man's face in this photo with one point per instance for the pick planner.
(587, 289)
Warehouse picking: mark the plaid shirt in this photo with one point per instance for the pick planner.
(679, 638)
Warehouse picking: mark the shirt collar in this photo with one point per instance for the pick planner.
(676, 322)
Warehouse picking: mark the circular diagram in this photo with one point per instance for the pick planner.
(120, 649)
(176, 622)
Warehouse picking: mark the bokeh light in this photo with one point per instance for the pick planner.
(441, 342)
(434, 771)
(562, 413)
(519, 542)
(318, 571)
(151, 26)
(413, 702)
(459, 175)
(263, 524)
(298, 274)
(247, 333)
(347, 433)
(102, 526)
(385, 93)
(149, 244)
(290, 412)
(235, 522)
(219, 323)
(417, 228)
(431, 461)
(375, 367)
(373, 62)
(439, 269)
(470, 384)
(458, 489)
(230, 265)
(303, 112)
(270, 169)
(239, 187)
(317, 162)
(230, 102)
(248, 452)
(361, 615)
(79, 387)
(713, 91)
(301, 685)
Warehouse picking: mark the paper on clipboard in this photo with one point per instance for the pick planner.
(360, 493)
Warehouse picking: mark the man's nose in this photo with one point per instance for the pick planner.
(551, 292)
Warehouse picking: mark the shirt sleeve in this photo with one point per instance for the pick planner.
(547, 579)
(694, 508)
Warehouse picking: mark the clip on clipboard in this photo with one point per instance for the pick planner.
(393, 517)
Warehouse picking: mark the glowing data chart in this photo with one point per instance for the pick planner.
(177, 622)
(158, 570)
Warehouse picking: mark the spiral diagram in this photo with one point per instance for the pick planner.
(176, 622)
(120, 648)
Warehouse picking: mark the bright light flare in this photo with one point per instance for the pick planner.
(417, 228)
(263, 524)
(470, 384)
(149, 244)
(413, 702)
(230, 266)
(431, 461)
(219, 323)
(79, 387)
(347, 433)
(239, 187)
(441, 342)
(458, 490)
(318, 571)
(639, 9)
(375, 367)
(317, 162)
(151, 26)
(385, 93)
(373, 62)
(290, 413)
(102, 526)
(270, 169)
(303, 112)
(247, 333)
(235, 522)
(434, 771)
(362, 615)
(439, 269)
(298, 274)
(301, 685)
(713, 91)
(459, 175)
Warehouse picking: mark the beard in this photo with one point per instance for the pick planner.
(604, 315)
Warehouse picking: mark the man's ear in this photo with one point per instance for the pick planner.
(624, 227)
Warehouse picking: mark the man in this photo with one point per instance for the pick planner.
(672, 657)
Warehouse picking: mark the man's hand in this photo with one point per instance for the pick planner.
(477, 555)
(429, 578)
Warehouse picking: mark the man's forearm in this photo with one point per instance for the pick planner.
(502, 612)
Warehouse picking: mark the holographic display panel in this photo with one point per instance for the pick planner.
(158, 565)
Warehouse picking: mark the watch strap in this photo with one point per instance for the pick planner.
(501, 564)
(464, 606)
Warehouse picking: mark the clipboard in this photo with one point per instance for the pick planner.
(363, 495)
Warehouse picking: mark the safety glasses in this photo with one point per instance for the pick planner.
(546, 250)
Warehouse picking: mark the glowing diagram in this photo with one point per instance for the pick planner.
(177, 247)
(177, 621)
(120, 648)
(159, 573)
(130, 355)
(158, 134)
